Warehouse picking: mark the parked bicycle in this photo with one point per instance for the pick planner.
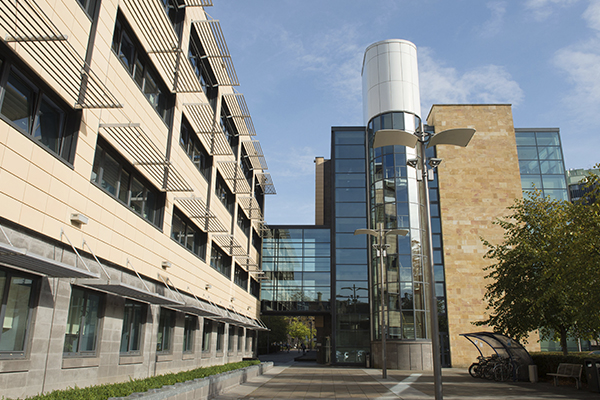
(494, 367)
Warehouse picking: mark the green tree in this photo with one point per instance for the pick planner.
(541, 277)
(298, 330)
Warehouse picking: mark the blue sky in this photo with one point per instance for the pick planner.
(299, 65)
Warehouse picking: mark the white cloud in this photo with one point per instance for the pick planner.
(444, 85)
(493, 26)
(293, 162)
(542, 9)
(592, 15)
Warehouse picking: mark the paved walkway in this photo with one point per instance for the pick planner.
(290, 379)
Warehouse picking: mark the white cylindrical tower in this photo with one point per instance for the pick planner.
(390, 78)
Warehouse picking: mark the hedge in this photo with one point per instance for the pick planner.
(548, 362)
(123, 389)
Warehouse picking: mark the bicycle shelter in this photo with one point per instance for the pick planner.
(503, 346)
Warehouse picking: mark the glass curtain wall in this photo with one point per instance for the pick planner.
(541, 162)
(394, 201)
(297, 264)
(352, 339)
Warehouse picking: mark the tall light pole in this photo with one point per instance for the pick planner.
(381, 247)
(457, 137)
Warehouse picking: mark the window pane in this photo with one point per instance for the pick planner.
(90, 328)
(206, 333)
(529, 167)
(126, 52)
(124, 187)
(16, 105)
(554, 182)
(16, 313)
(138, 72)
(110, 175)
(527, 153)
(74, 321)
(552, 167)
(547, 138)
(137, 196)
(48, 125)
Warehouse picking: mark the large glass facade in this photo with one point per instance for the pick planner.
(394, 202)
(296, 262)
(351, 316)
(541, 162)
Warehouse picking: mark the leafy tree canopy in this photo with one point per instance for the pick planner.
(546, 273)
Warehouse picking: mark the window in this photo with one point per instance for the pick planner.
(243, 222)
(175, 13)
(231, 338)
(249, 340)
(188, 235)
(229, 129)
(131, 334)
(220, 261)
(194, 148)
(206, 333)
(16, 293)
(246, 167)
(201, 66)
(116, 177)
(254, 288)
(240, 344)
(220, 336)
(189, 329)
(240, 277)
(166, 322)
(139, 66)
(224, 194)
(35, 110)
(89, 6)
(82, 322)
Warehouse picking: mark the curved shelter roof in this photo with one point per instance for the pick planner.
(503, 346)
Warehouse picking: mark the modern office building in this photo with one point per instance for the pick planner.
(361, 186)
(576, 179)
(131, 194)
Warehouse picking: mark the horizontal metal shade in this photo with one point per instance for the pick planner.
(456, 137)
(129, 291)
(24, 260)
(394, 137)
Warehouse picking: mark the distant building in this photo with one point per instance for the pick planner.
(576, 179)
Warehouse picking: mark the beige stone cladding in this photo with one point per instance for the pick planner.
(40, 189)
(476, 185)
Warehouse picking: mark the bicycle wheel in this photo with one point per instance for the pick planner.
(474, 370)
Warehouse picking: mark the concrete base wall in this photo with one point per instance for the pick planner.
(406, 355)
(201, 389)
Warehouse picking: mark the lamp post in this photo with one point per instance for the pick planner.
(456, 137)
(381, 247)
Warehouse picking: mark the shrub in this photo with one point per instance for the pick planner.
(123, 389)
(548, 362)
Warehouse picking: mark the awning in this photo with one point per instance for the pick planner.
(266, 182)
(162, 44)
(22, 259)
(198, 3)
(213, 42)
(25, 24)
(135, 143)
(202, 309)
(255, 154)
(195, 208)
(201, 116)
(247, 263)
(230, 245)
(129, 291)
(251, 207)
(238, 111)
(233, 174)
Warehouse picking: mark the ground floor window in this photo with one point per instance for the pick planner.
(166, 322)
(189, 329)
(240, 339)
(131, 335)
(220, 336)
(82, 322)
(16, 292)
(206, 332)
(231, 338)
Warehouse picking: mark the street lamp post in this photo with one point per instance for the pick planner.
(381, 247)
(457, 137)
